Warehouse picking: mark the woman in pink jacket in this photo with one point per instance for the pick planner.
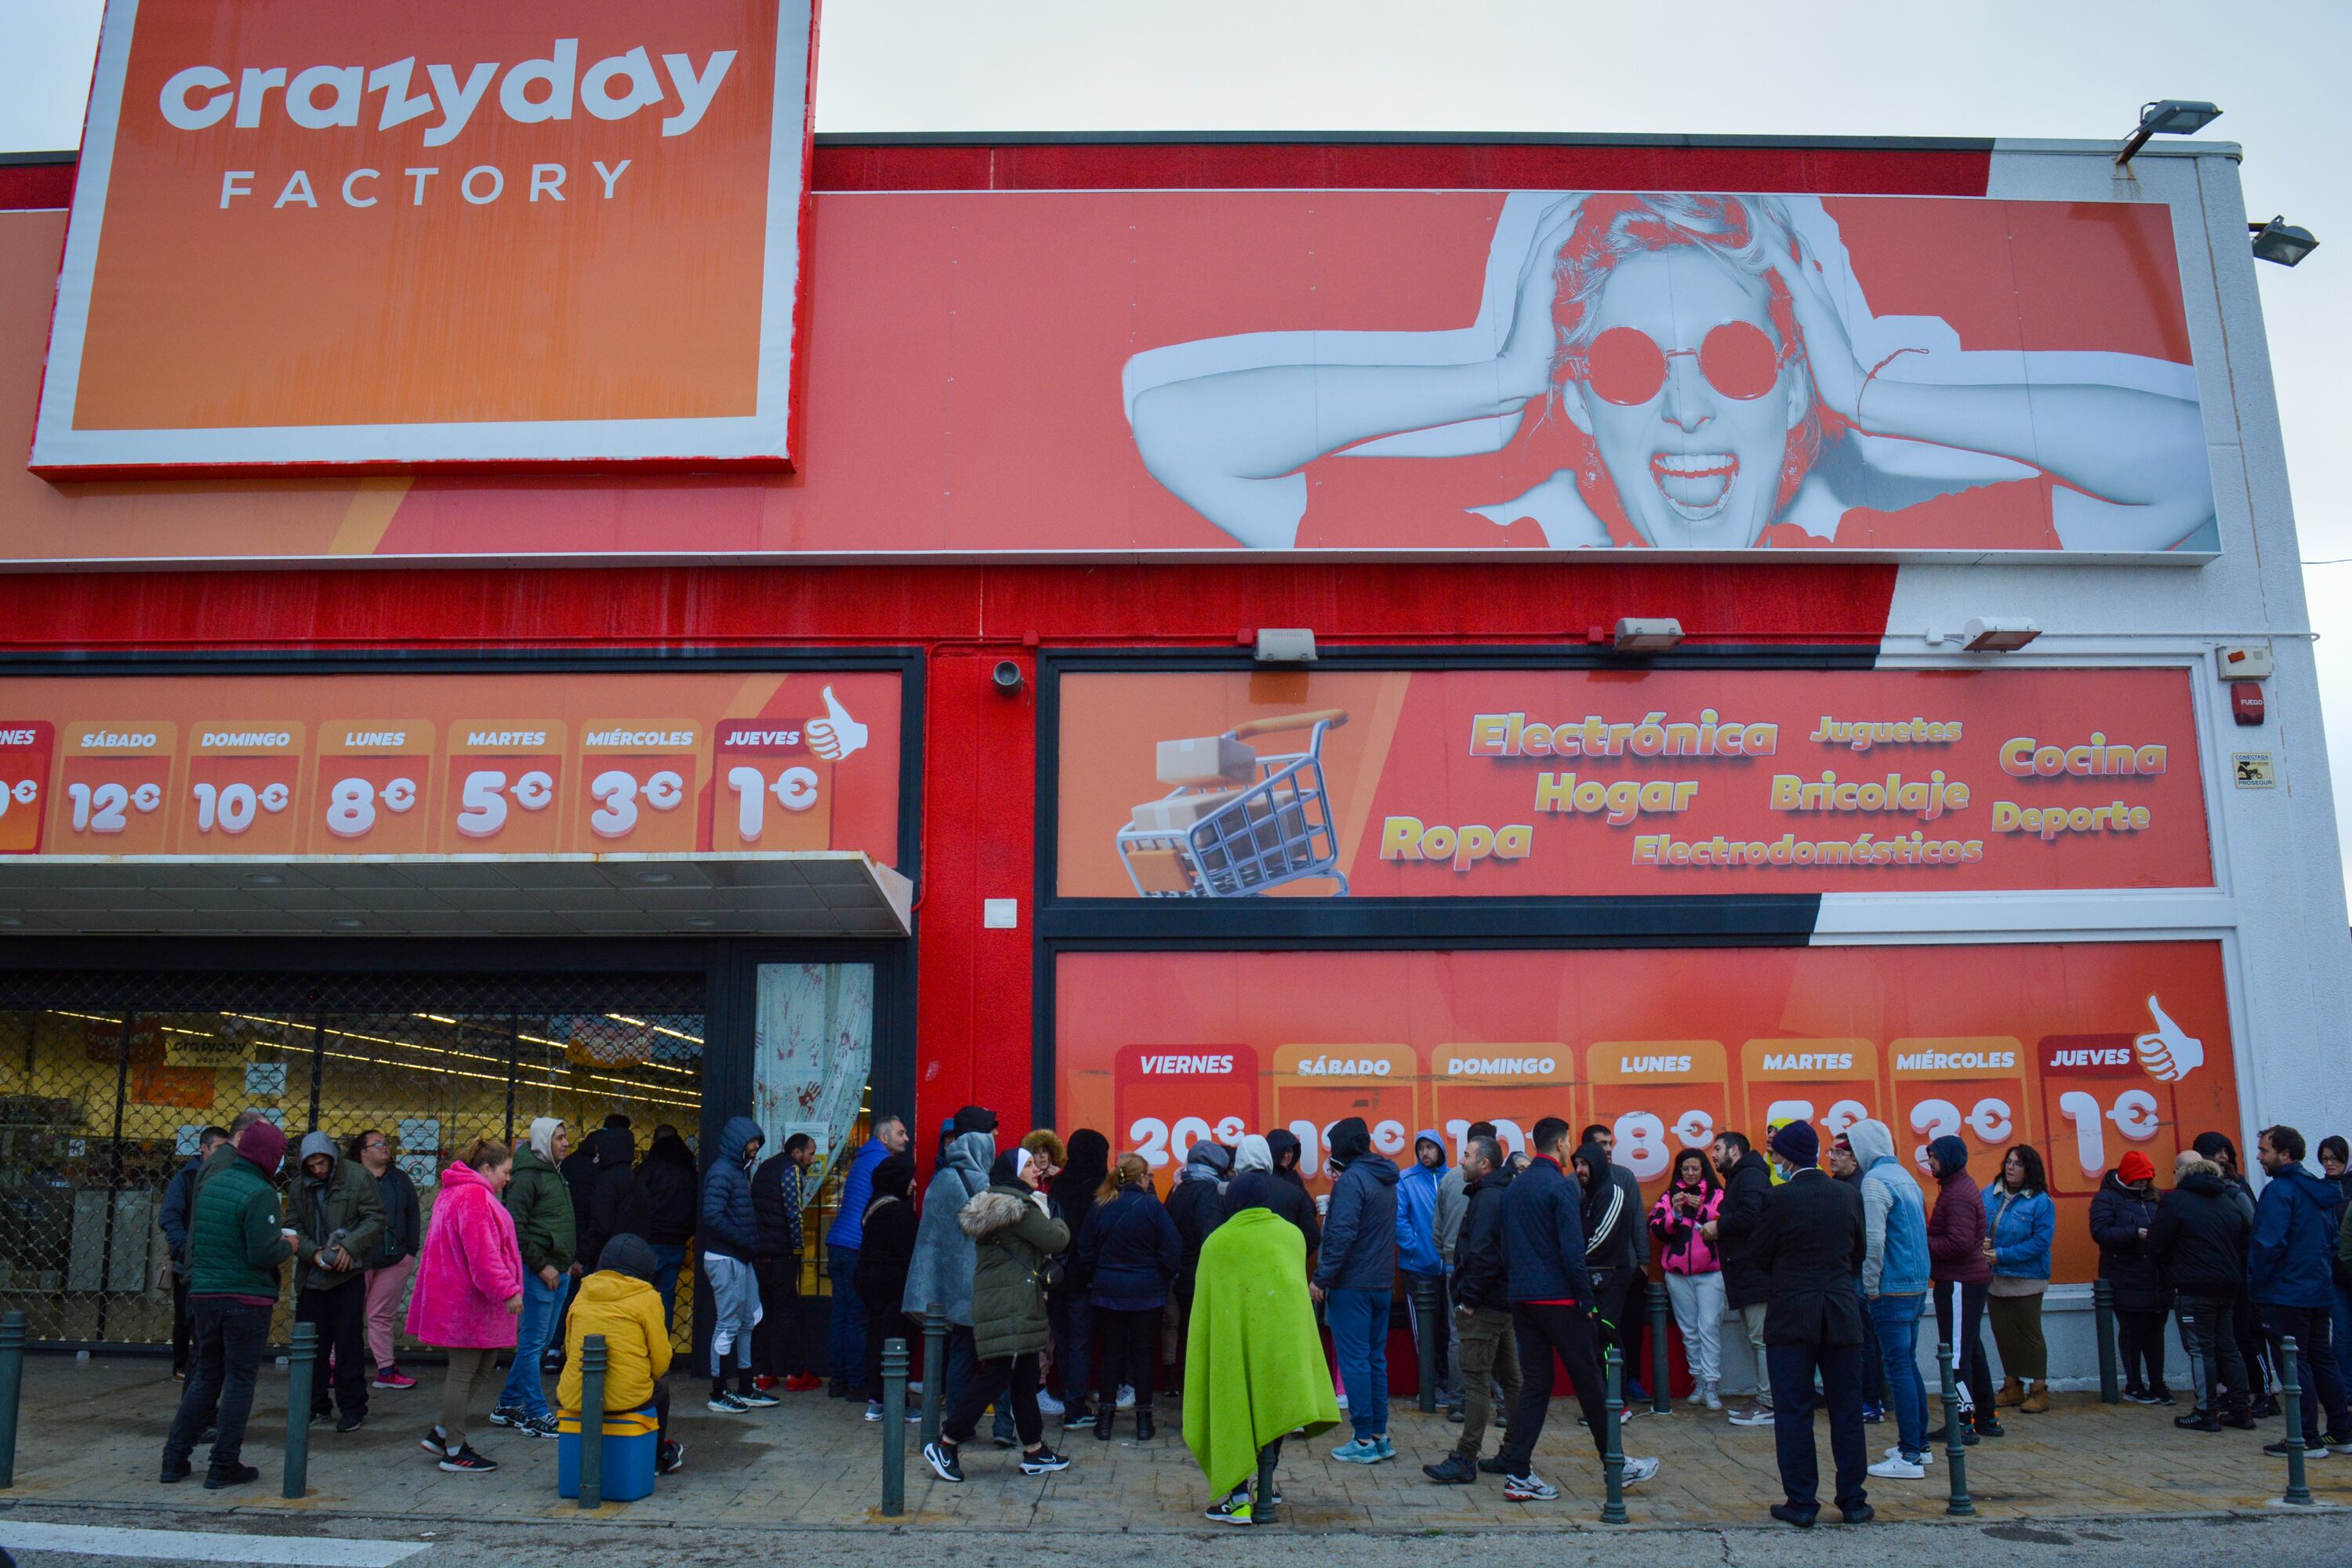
(468, 1291)
(1694, 1272)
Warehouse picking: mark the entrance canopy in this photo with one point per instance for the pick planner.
(798, 894)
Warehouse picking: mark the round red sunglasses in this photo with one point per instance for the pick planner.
(1626, 366)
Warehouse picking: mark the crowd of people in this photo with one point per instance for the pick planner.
(1070, 1286)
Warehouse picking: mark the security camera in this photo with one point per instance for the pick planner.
(1007, 677)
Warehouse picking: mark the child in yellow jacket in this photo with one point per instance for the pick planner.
(619, 1303)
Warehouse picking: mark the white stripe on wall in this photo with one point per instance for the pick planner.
(194, 1546)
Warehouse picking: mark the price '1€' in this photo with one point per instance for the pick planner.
(795, 789)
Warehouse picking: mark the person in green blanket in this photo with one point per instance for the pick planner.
(1254, 1367)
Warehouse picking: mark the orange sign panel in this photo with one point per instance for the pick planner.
(434, 233)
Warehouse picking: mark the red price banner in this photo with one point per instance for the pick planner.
(1972, 1088)
(1832, 1083)
(239, 794)
(1512, 1086)
(374, 781)
(115, 780)
(24, 748)
(1316, 1086)
(1171, 1097)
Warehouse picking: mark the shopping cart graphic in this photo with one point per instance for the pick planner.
(1263, 820)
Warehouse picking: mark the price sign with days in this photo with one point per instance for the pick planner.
(1659, 1097)
(240, 787)
(1168, 1098)
(1970, 1087)
(26, 746)
(504, 780)
(373, 778)
(1831, 1083)
(1512, 1086)
(639, 775)
(1315, 1086)
(116, 781)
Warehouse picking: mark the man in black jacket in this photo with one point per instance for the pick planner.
(777, 1200)
(1551, 1312)
(616, 1205)
(1745, 1179)
(1810, 1245)
(1482, 1311)
(2199, 1241)
(673, 1190)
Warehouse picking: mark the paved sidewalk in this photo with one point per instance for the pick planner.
(91, 1433)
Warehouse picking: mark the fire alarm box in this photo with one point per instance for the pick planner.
(2246, 702)
(2246, 663)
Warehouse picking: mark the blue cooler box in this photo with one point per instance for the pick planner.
(631, 1440)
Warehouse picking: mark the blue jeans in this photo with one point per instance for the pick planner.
(1896, 1319)
(667, 1261)
(845, 1330)
(539, 1305)
(1360, 1338)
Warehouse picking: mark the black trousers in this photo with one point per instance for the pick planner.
(780, 1291)
(885, 1323)
(184, 1323)
(1542, 1333)
(2140, 1336)
(340, 1313)
(231, 1339)
(1013, 1377)
(1633, 1327)
(1792, 1368)
(1968, 1364)
(1130, 1353)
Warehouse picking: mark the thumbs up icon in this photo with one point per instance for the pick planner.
(837, 734)
(2166, 1051)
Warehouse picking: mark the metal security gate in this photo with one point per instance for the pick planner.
(107, 1080)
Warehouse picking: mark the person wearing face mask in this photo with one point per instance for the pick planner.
(1482, 1311)
(2199, 1240)
(1811, 1244)
(1635, 1327)
(1286, 1150)
(1962, 1275)
(1254, 1363)
(729, 1241)
(236, 1243)
(1846, 1167)
(1354, 1274)
(2120, 1216)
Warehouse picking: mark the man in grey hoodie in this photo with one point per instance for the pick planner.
(940, 1270)
(1895, 1269)
(338, 1214)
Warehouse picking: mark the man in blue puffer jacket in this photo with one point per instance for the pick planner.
(729, 1236)
(2297, 1221)
(1353, 1276)
(1418, 1257)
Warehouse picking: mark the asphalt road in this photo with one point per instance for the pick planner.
(157, 1536)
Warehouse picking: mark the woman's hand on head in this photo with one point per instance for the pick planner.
(1528, 348)
(1828, 352)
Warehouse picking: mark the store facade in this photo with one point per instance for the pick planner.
(943, 767)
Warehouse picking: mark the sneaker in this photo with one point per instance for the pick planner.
(1923, 1458)
(1079, 1419)
(392, 1377)
(1897, 1468)
(219, 1475)
(1638, 1471)
(2160, 1395)
(2266, 1408)
(942, 1459)
(508, 1416)
(1943, 1434)
(350, 1421)
(1493, 1467)
(1872, 1414)
(728, 1404)
(756, 1399)
(1125, 1400)
(1529, 1488)
(1235, 1509)
(434, 1442)
(803, 1382)
(1455, 1415)
(1708, 1397)
(174, 1471)
(1047, 1405)
(2340, 1446)
(540, 1425)
(1043, 1462)
(2197, 1420)
(2278, 1450)
(1341, 1400)
(1361, 1451)
(671, 1459)
(763, 1383)
(1630, 1411)
(2138, 1396)
(1452, 1470)
(464, 1461)
(874, 1410)
(1388, 1449)
(1754, 1416)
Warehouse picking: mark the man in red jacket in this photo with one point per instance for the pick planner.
(1955, 1233)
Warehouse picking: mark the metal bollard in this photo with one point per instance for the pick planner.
(592, 1421)
(1428, 1296)
(12, 1390)
(935, 1369)
(2103, 1306)
(1261, 1510)
(1955, 1444)
(1661, 1396)
(894, 1427)
(301, 1366)
(2298, 1493)
(1612, 1454)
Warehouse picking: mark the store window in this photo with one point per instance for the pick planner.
(107, 1083)
(813, 1073)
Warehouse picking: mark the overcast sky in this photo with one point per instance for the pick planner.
(1994, 68)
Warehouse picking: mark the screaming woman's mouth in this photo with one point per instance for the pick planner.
(1697, 485)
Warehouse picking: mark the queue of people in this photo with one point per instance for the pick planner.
(1068, 1282)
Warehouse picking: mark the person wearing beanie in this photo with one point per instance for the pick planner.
(548, 1232)
(1810, 1244)
(2121, 1217)
(1353, 1278)
(337, 1212)
(236, 1243)
(619, 1301)
(886, 1248)
(1962, 1276)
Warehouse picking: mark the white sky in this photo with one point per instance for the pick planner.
(1992, 68)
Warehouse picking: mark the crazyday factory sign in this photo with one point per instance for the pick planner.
(450, 765)
(2086, 1050)
(1521, 783)
(317, 233)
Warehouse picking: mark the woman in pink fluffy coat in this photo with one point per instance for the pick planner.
(469, 1293)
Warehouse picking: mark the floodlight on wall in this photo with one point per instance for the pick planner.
(1285, 644)
(2167, 117)
(2280, 241)
(1997, 634)
(1638, 635)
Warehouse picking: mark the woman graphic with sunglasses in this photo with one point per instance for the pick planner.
(1713, 380)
